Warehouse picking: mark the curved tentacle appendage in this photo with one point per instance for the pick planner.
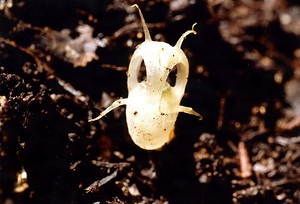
(153, 104)
(115, 104)
(185, 34)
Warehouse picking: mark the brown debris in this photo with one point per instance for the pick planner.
(78, 51)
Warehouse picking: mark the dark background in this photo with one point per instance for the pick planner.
(244, 80)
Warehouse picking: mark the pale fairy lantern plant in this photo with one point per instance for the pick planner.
(153, 104)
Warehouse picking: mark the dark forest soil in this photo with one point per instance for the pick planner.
(63, 62)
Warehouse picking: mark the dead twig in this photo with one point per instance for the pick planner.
(245, 165)
(288, 123)
(94, 187)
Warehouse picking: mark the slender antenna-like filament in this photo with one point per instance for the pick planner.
(146, 31)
